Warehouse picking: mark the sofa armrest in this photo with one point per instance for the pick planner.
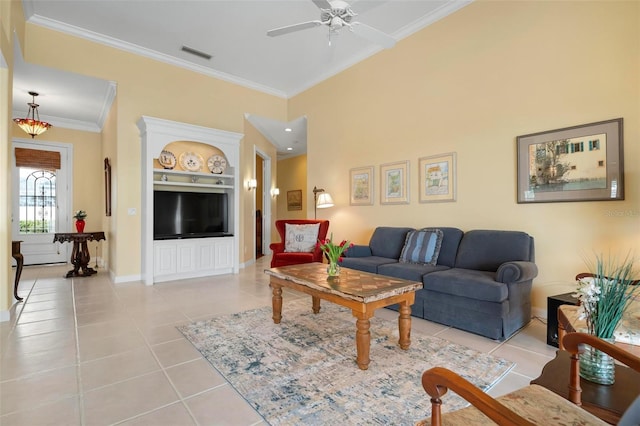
(514, 272)
(358, 251)
(277, 247)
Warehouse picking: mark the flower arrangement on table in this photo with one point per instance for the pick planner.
(603, 299)
(334, 253)
(605, 296)
(80, 215)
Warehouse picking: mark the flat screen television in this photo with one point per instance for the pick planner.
(179, 214)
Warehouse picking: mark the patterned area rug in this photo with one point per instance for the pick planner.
(303, 370)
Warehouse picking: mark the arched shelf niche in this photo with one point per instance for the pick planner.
(164, 260)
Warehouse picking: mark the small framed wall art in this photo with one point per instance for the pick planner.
(579, 163)
(438, 178)
(361, 186)
(394, 179)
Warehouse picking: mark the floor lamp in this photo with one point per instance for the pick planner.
(321, 200)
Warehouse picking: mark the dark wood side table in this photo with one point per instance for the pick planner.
(15, 253)
(607, 402)
(80, 255)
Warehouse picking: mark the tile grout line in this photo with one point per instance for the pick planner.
(78, 364)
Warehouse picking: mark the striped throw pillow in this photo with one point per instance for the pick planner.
(422, 246)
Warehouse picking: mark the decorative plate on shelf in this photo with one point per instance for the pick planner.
(217, 164)
(167, 159)
(191, 161)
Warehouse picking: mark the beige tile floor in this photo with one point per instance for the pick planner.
(87, 351)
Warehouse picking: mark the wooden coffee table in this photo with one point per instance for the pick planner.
(362, 292)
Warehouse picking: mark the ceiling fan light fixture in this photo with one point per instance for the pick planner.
(31, 124)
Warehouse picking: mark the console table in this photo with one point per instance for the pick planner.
(15, 253)
(80, 255)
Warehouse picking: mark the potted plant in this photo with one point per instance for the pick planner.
(604, 297)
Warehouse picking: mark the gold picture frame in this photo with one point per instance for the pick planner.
(294, 200)
(438, 178)
(361, 186)
(394, 183)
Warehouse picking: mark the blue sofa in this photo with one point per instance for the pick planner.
(481, 281)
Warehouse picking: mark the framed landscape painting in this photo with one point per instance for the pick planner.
(579, 163)
(361, 186)
(394, 183)
(294, 200)
(438, 178)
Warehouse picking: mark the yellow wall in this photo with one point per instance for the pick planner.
(254, 140)
(109, 150)
(143, 89)
(470, 84)
(292, 175)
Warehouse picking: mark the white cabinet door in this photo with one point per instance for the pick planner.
(206, 259)
(186, 256)
(224, 253)
(165, 259)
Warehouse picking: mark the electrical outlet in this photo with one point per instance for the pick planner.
(131, 211)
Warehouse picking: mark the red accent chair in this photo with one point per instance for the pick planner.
(282, 258)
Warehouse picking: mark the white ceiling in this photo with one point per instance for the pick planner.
(232, 31)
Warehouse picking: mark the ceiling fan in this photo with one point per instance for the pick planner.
(337, 14)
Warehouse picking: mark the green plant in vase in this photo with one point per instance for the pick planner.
(603, 299)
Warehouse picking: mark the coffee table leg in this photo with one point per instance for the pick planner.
(363, 339)
(276, 302)
(404, 325)
(315, 304)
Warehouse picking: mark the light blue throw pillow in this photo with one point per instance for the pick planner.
(422, 246)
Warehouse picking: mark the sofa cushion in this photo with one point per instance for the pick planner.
(408, 271)
(301, 238)
(366, 264)
(450, 242)
(388, 241)
(422, 246)
(487, 250)
(473, 284)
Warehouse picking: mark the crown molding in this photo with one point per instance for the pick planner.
(442, 12)
(55, 25)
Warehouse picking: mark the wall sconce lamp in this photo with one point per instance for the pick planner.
(321, 200)
(275, 192)
(252, 184)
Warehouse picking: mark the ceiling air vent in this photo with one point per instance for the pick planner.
(196, 52)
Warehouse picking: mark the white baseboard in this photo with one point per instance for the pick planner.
(125, 278)
(539, 312)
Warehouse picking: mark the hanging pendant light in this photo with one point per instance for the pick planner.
(32, 124)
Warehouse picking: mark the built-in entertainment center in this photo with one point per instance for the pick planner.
(190, 207)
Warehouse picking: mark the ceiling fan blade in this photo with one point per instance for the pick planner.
(322, 4)
(372, 34)
(291, 28)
